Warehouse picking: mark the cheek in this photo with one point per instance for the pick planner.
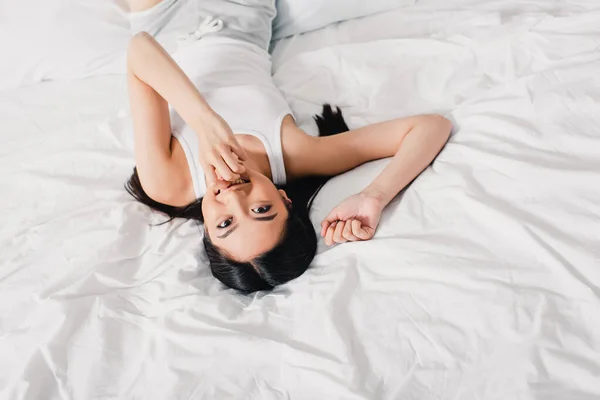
(209, 232)
(267, 190)
(208, 207)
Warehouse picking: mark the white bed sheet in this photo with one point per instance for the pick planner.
(61, 40)
(428, 18)
(482, 282)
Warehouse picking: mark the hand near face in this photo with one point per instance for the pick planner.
(354, 219)
(221, 155)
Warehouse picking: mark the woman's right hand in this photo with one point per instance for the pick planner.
(220, 153)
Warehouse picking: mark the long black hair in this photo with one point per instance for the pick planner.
(298, 245)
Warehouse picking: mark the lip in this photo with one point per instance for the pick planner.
(228, 186)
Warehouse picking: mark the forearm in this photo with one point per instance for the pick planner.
(416, 151)
(150, 63)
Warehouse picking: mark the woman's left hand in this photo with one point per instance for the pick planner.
(354, 219)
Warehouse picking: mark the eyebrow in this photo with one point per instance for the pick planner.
(269, 218)
(229, 232)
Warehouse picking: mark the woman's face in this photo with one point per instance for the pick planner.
(245, 219)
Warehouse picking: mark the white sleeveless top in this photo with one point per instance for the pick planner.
(235, 79)
(227, 60)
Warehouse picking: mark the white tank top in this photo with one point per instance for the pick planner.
(226, 58)
(235, 79)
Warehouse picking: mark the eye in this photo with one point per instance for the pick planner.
(261, 209)
(225, 223)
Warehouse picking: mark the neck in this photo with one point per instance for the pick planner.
(258, 159)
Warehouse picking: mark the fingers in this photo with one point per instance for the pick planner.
(331, 218)
(219, 177)
(223, 170)
(211, 176)
(337, 233)
(232, 160)
(329, 234)
(324, 226)
(334, 215)
(226, 164)
(360, 231)
(239, 151)
(347, 233)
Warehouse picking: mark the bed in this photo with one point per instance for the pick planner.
(482, 282)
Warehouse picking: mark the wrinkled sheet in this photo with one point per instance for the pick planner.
(482, 281)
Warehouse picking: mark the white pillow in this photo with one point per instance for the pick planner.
(61, 39)
(299, 16)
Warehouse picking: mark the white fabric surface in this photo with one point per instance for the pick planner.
(61, 39)
(428, 18)
(44, 40)
(482, 281)
(299, 16)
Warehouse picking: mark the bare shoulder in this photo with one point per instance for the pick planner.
(295, 144)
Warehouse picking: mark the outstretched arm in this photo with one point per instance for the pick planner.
(306, 155)
(412, 143)
(417, 150)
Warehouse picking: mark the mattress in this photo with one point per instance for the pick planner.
(482, 281)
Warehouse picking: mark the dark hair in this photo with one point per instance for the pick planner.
(293, 254)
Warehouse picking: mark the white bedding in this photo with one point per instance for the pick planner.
(61, 40)
(483, 281)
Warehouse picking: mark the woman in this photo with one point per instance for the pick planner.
(230, 138)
